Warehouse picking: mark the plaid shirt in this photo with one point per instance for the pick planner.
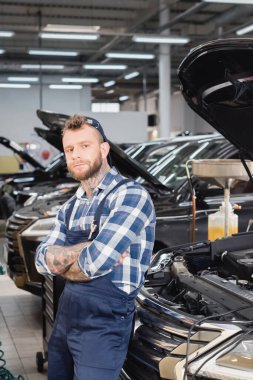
(127, 225)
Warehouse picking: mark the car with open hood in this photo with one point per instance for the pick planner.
(35, 180)
(195, 312)
(7, 201)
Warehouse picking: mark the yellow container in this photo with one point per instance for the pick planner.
(216, 223)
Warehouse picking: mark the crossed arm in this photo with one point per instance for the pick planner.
(63, 261)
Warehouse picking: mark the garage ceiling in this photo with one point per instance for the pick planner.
(118, 21)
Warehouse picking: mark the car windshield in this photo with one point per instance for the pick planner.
(139, 151)
(156, 154)
(170, 170)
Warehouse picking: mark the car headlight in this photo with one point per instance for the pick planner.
(31, 199)
(24, 180)
(54, 194)
(240, 357)
(39, 228)
(211, 361)
(61, 189)
(53, 211)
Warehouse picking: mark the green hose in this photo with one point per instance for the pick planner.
(4, 373)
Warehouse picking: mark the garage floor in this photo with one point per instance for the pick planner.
(20, 328)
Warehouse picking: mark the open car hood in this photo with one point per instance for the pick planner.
(217, 83)
(54, 121)
(21, 152)
(126, 165)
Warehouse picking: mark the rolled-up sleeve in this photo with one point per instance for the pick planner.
(57, 236)
(132, 211)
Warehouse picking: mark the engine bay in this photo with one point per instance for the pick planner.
(206, 278)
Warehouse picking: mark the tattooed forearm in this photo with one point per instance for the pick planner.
(60, 259)
(74, 273)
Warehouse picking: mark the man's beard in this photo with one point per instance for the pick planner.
(91, 169)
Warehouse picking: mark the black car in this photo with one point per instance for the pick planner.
(195, 311)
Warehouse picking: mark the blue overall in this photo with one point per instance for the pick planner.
(93, 324)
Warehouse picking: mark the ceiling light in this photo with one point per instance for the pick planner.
(130, 55)
(70, 28)
(14, 85)
(123, 97)
(69, 36)
(46, 67)
(30, 66)
(52, 67)
(65, 86)
(104, 67)
(4, 33)
(132, 75)
(159, 39)
(244, 30)
(23, 79)
(2, 51)
(110, 92)
(241, 2)
(53, 52)
(109, 83)
(80, 80)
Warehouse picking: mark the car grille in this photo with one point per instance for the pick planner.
(15, 225)
(160, 342)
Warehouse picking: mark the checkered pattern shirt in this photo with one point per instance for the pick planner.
(127, 225)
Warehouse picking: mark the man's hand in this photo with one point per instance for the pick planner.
(74, 273)
(60, 259)
(121, 259)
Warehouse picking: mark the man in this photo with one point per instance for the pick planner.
(7, 202)
(101, 243)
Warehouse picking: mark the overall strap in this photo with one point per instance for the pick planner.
(69, 211)
(96, 220)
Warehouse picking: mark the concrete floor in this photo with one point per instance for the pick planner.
(20, 328)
